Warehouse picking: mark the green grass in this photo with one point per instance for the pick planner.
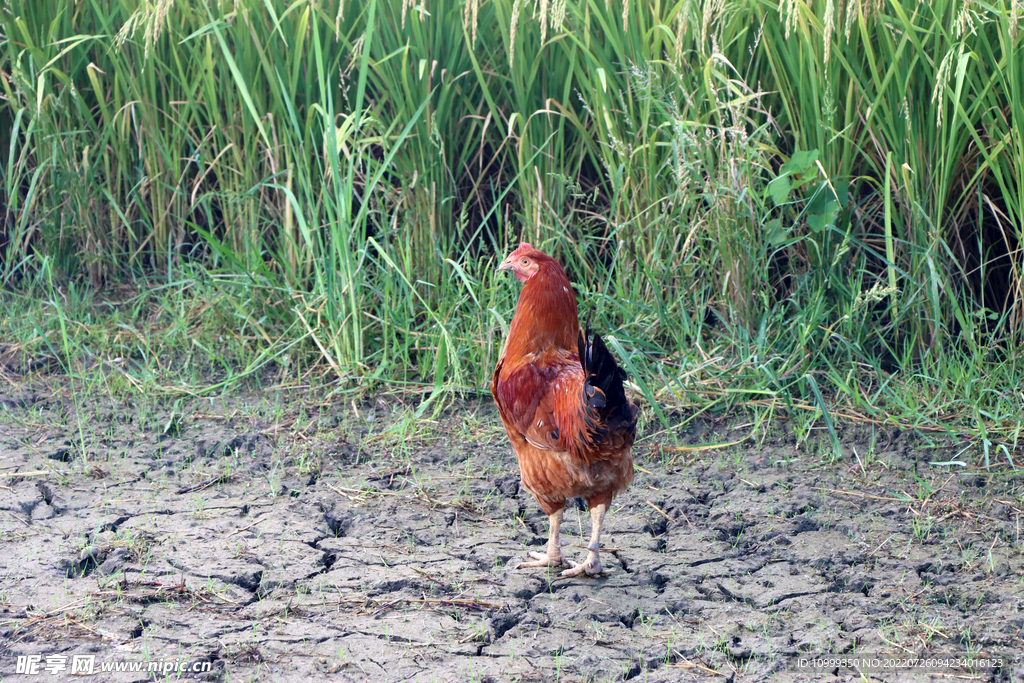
(811, 211)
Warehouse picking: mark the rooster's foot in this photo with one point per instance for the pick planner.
(591, 567)
(545, 560)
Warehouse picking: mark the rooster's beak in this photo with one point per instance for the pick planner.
(505, 265)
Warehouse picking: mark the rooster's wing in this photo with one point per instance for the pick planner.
(531, 397)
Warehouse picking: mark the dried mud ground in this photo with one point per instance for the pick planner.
(281, 539)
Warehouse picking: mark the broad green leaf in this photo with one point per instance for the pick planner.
(779, 188)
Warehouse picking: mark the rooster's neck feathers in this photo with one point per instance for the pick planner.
(546, 319)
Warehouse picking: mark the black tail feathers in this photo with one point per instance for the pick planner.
(603, 392)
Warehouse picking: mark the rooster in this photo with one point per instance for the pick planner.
(561, 399)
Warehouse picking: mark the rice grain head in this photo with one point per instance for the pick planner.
(516, 6)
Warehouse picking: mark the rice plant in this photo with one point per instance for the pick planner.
(815, 204)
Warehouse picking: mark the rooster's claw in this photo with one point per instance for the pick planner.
(544, 560)
(592, 567)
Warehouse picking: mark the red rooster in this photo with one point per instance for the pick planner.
(561, 399)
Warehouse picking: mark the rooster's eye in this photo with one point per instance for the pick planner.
(526, 262)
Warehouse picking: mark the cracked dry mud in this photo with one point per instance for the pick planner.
(347, 542)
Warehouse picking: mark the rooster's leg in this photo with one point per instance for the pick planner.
(553, 557)
(592, 565)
